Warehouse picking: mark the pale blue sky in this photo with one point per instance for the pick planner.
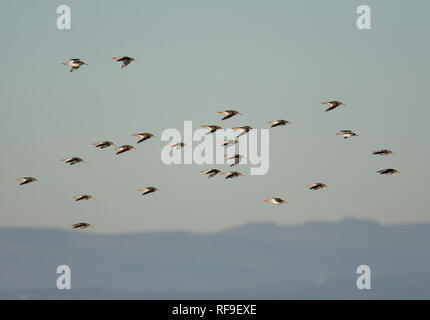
(268, 59)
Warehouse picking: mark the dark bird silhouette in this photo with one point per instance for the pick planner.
(148, 190)
(277, 123)
(123, 148)
(332, 105)
(103, 144)
(81, 225)
(26, 180)
(125, 60)
(231, 174)
(74, 63)
(383, 152)
(72, 160)
(211, 172)
(82, 197)
(388, 171)
(143, 136)
(228, 114)
(316, 186)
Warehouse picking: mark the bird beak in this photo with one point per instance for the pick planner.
(64, 63)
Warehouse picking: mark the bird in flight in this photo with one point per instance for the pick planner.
(275, 200)
(81, 225)
(177, 145)
(143, 136)
(231, 174)
(228, 143)
(316, 186)
(103, 144)
(346, 134)
(228, 114)
(244, 129)
(125, 60)
(82, 197)
(383, 152)
(388, 171)
(237, 158)
(74, 63)
(123, 148)
(332, 104)
(212, 128)
(72, 160)
(277, 123)
(26, 180)
(148, 190)
(211, 172)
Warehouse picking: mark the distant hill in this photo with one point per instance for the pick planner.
(256, 261)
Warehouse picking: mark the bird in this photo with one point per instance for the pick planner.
(103, 144)
(74, 63)
(231, 174)
(178, 145)
(383, 152)
(72, 160)
(82, 197)
(388, 171)
(228, 114)
(26, 180)
(125, 60)
(211, 172)
(332, 104)
(346, 134)
(212, 128)
(316, 186)
(275, 200)
(237, 158)
(123, 148)
(81, 225)
(148, 190)
(277, 123)
(143, 136)
(245, 129)
(228, 143)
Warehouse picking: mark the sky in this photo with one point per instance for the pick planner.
(267, 59)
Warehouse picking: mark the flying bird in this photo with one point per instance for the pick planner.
(211, 172)
(125, 60)
(388, 171)
(74, 63)
(178, 145)
(83, 197)
(231, 174)
(237, 158)
(228, 143)
(346, 134)
(277, 123)
(212, 128)
(123, 148)
(103, 144)
(143, 136)
(81, 225)
(332, 105)
(244, 129)
(383, 152)
(148, 190)
(316, 186)
(72, 160)
(26, 180)
(275, 200)
(228, 114)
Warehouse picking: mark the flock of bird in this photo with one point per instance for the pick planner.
(75, 64)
